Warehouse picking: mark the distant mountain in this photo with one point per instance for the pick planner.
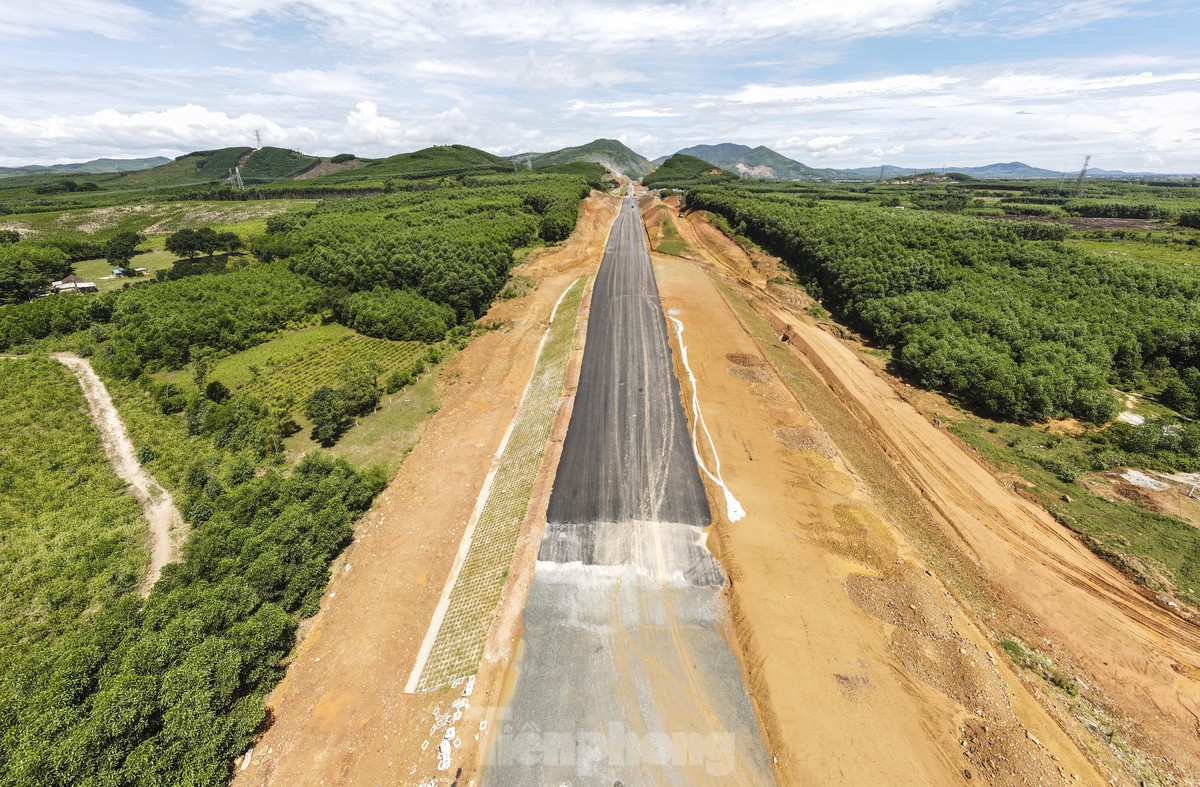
(100, 166)
(759, 162)
(608, 152)
(1013, 170)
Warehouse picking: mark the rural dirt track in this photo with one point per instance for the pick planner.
(166, 526)
(1137, 660)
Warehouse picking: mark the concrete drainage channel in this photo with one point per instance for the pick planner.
(624, 676)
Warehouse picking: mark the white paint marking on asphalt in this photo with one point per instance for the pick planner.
(439, 613)
(732, 506)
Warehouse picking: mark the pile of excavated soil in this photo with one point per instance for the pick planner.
(806, 438)
(750, 374)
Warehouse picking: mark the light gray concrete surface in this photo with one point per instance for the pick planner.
(624, 679)
(624, 674)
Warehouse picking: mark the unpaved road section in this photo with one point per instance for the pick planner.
(624, 675)
(862, 666)
(166, 526)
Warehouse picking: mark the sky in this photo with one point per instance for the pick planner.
(831, 83)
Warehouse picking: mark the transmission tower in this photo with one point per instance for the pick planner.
(235, 178)
(1082, 174)
(258, 139)
(881, 168)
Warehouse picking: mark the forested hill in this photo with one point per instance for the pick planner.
(609, 152)
(759, 162)
(684, 171)
(206, 166)
(436, 161)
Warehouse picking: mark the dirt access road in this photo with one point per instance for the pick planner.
(1012, 568)
(166, 526)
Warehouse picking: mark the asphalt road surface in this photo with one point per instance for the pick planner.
(623, 676)
(627, 454)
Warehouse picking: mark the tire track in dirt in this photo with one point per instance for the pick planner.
(166, 525)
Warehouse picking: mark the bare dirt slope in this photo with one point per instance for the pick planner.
(341, 715)
(166, 526)
(863, 667)
(1137, 661)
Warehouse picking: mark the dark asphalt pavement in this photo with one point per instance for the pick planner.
(624, 676)
(627, 454)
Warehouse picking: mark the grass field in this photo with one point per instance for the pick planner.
(156, 218)
(71, 537)
(1170, 253)
(100, 271)
(385, 437)
(291, 366)
(1157, 550)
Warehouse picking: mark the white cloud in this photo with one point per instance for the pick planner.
(108, 18)
(1025, 85)
(646, 113)
(382, 76)
(904, 84)
(365, 126)
(312, 80)
(590, 24)
(183, 128)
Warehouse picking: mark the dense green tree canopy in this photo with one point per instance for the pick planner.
(1026, 330)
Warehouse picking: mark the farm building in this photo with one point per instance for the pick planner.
(73, 283)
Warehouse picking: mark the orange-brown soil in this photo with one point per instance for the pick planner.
(341, 715)
(1010, 569)
(864, 669)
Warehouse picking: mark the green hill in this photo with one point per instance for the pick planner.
(759, 162)
(266, 164)
(100, 166)
(608, 152)
(202, 166)
(684, 171)
(427, 163)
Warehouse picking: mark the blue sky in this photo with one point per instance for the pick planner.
(828, 82)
